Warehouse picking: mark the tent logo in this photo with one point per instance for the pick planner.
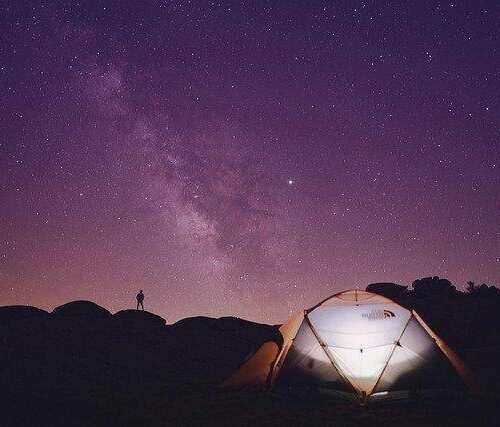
(378, 314)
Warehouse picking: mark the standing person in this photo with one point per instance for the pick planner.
(140, 300)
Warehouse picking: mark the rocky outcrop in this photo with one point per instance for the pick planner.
(463, 320)
(82, 366)
(18, 313)
(82, 346)
(138, 318)
(389, 290)
(82, 310)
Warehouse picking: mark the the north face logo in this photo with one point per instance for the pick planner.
(378, 314)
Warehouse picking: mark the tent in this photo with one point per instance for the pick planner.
(358, 345)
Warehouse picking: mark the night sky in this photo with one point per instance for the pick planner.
(245, 158)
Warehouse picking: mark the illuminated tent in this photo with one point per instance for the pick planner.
(358, 345)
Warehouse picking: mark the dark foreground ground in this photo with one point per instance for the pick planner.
(200, 406)
(82, 366)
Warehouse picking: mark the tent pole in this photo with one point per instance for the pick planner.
(392, 352)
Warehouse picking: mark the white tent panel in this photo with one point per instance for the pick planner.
(398, 373)
(315, 365)
(417, 363)
(359, 327)
(305, 340)
(416, 338)
(362, 368)
(307, 362)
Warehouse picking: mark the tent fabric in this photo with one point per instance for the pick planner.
(312, 367)
(417, 362)
(362, 344)
(288, 330)
(255, 371)
(474, 384)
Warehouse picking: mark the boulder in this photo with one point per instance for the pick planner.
(85, 310)
(15, 313)
(141, 317)
(389, 290)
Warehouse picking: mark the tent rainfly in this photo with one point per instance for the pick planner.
(358, 345)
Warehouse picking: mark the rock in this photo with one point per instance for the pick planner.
(86, 310)
(15, 313)
(195, 322)
(138, 317)
(228, 326)
(389, 290)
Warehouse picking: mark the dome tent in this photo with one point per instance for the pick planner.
(358, 345)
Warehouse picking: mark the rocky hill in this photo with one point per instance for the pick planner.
(81, 354)
(82, 365)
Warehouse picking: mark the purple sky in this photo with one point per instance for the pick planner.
(245, 158)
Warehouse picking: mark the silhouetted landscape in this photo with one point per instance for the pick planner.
(82, 365)
(270, 161)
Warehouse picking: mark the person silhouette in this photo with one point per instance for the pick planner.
(140, 300)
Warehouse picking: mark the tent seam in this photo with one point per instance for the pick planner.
(392, 352)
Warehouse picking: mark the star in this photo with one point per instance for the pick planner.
(182, 155)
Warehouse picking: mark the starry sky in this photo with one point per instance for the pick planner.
(245, 158)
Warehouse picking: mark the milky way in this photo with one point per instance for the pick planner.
(245, 158)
